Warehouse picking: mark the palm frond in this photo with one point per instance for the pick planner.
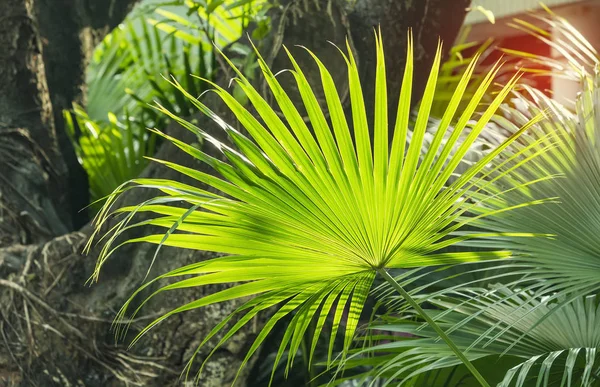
(570, 261)
(575, 56)
(219, 22)
(126, 74)
(128, 69)
(308, 213)
(111, 152)
(453, 68)
(561, 350)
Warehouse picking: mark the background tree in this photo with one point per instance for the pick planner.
(54, 329)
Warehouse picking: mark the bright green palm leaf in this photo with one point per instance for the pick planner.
(307, 216)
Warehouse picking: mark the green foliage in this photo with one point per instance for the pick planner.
(111, 152)
(540, 343)
(215, 21)
(309, 215)
(569, 262)
(453, 69)
(539, 325)
(130, 69)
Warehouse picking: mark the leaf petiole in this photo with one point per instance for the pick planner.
(433, 325)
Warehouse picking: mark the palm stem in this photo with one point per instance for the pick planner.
(305, 344)
(433, 325)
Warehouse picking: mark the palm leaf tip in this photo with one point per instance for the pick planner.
(308, 209)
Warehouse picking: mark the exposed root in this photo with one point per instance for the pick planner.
(31, 326)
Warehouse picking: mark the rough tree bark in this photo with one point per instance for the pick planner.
(55, 330)
(69, 31)
(45, 46)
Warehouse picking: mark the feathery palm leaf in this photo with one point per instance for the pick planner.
(560, 350)
(308, 214)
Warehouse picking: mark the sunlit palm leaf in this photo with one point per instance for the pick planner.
(575, 56)
(453, 68)
(309, 214)
(219, 22)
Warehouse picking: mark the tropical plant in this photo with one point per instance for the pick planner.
(541, 343)
(128, 69)
(569, 263)
(575, 57)
(218, 22)
(110, 152)
(122, 80)
(539, 325)
(128, 72)
(308, 215)
(127, 66)
(452, 70)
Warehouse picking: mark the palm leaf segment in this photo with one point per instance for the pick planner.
(561, 350)
(308, 213)
(563, 338)
(570, 261)
(572, 55)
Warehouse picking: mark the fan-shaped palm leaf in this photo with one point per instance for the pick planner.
(308, 214)
(569, 262)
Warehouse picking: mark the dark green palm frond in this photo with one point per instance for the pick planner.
(311, 212)
(570, 261)
(561, 350)
(112, 146)
(109, 73)
(128, 69)
(125, 75)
